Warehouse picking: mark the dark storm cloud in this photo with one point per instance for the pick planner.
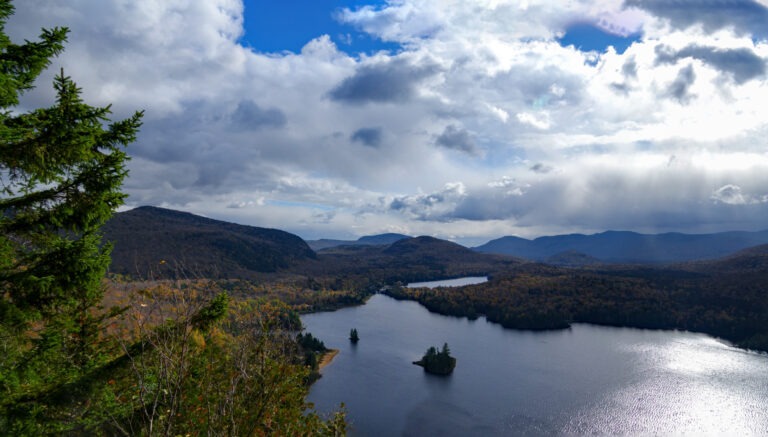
(680, 87)
(742, 64)
(395, 81)
(457, 139)
(368, 136)
(744, 16)
(249, 115)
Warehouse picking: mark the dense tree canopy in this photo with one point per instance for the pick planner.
(171, 360)
(61, 169)
(439, 362)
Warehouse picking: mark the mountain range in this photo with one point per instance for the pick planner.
(156, 242)
(627, 247)
(369, 240)
(724, 297)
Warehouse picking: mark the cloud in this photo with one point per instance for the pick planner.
(742, 64)
(629, 69)
(679, 89)
(629, 76)
(395, 81)
(323, 217)
(249, 115)
(539, 120)
(541, 168)
(743, 16)
(729, 194)
(368, 136)
(240, 204)
(456, 138)
(433, 206)
(548, 139)
(732, 195)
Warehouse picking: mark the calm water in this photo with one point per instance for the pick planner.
(450, 282)
(586, 380)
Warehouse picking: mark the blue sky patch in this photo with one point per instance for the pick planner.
(275, 26)
(587, 37)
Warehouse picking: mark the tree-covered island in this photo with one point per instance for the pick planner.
(437, 362)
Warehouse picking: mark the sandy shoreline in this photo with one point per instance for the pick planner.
(327, 358)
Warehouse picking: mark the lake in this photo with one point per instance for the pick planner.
(458, 282)
(584, 380)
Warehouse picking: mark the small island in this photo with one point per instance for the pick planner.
(438, 363)
(353, 337)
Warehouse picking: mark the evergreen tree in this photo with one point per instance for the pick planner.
(61, 169)
(437, 362)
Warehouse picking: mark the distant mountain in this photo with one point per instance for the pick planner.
(326, 243)
(382, 239)
(442, 259)
(152, 242)
(629, 247)
(430, 247)
(407, 260)
(370, 240)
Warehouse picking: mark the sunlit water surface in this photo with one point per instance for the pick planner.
(585, 380)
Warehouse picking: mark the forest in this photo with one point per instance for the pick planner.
(86, 355)
(179, 350)
(706, 297)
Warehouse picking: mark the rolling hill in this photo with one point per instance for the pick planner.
(151, 242)
(406, 260)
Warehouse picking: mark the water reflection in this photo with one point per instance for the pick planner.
(587, 380)
(690, 385)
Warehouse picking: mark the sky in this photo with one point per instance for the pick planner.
(462, 119)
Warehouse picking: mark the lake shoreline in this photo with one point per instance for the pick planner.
(588, 380)
(327, 358)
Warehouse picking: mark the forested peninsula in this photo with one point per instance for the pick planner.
(725, 298)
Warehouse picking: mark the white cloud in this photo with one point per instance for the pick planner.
(733, 195)
(325, 144)
(539, 120)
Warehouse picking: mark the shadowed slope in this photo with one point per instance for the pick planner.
(150, 241)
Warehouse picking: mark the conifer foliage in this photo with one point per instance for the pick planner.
(172, 362)
(61, 169)
(439, 362)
